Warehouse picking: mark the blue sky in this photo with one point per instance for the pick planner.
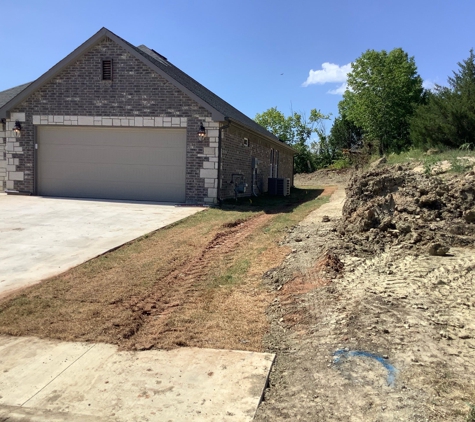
(254, 54)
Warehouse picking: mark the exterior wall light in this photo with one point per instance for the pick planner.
(202, 131)
(17, 128)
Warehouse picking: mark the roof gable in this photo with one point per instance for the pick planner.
(220, 109)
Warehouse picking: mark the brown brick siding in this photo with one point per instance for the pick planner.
(135, 90)
(237, 159)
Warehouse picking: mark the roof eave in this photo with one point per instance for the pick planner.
(270, 137)
(50, 74)
(215, 114)
(83, 48)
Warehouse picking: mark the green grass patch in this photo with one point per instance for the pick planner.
(340, 164)
(232, 275)
(459, 159)
(288, 211)
(273, 203)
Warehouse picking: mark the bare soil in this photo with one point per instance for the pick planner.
(372, 322)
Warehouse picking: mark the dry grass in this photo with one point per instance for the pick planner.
(196, 283)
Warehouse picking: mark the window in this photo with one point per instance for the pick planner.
(271, 172)
(107, 70)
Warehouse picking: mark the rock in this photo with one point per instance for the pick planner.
(385, 224)
(404, 228)
(437, 249)
(457, 229)
(432, 151)
(469, 216)
(378, 162)
(429, 201)
(325, 219)
(464, 335)
(416, 238)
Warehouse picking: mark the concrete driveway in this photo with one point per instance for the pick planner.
(42, 237)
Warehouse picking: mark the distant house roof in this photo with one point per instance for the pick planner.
(8, 94)
(220, 109)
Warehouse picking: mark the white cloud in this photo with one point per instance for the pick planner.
(428, 84)
(329, 73)
(340, 90)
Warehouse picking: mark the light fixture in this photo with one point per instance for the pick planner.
(202, 131)
(17, 127)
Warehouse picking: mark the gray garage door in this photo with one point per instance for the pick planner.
(141, 164)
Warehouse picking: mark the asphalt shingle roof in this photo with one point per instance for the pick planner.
(158, 61)
(8, 94)
(199, 90)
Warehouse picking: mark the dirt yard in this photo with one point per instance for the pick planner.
(373, 318)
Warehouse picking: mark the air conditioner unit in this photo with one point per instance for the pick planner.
(279, 186)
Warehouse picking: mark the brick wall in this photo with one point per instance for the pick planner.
(237, 159)
(135, 91)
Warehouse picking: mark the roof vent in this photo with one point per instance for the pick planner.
(107, 70)
(159, 55)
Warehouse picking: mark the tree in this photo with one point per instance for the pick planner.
(448, 116)
(383, 91)
(344, 134)
(295, 130)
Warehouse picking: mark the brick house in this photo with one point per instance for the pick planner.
(116, 121)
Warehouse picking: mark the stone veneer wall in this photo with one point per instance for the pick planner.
(209, 172)
(10, 151)
(136, 96)
(237, 159)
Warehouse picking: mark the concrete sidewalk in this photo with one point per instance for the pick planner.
(333, 208)
(43, 380)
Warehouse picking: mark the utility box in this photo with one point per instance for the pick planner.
(278, 186)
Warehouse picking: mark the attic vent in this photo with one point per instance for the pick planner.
(159, 55)
(107, 70)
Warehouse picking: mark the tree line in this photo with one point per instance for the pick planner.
(385, 109)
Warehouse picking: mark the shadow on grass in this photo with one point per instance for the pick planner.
(272, 204)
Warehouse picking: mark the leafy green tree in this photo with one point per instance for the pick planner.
(296, 130)
(448, 116)
(383, 91)
(344, 134)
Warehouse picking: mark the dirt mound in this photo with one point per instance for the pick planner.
(323, 177)
(373, 318)
(396, 206)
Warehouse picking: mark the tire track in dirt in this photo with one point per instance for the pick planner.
(413, 310)
(182, 285)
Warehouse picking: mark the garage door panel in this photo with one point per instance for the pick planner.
(115, 190)
(112, 163)
(120, 172)
(101, 136)
(101, 155)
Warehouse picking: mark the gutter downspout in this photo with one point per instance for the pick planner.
(220, 141)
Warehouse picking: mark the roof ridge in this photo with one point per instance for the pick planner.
(219, 108)
(204, 93)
